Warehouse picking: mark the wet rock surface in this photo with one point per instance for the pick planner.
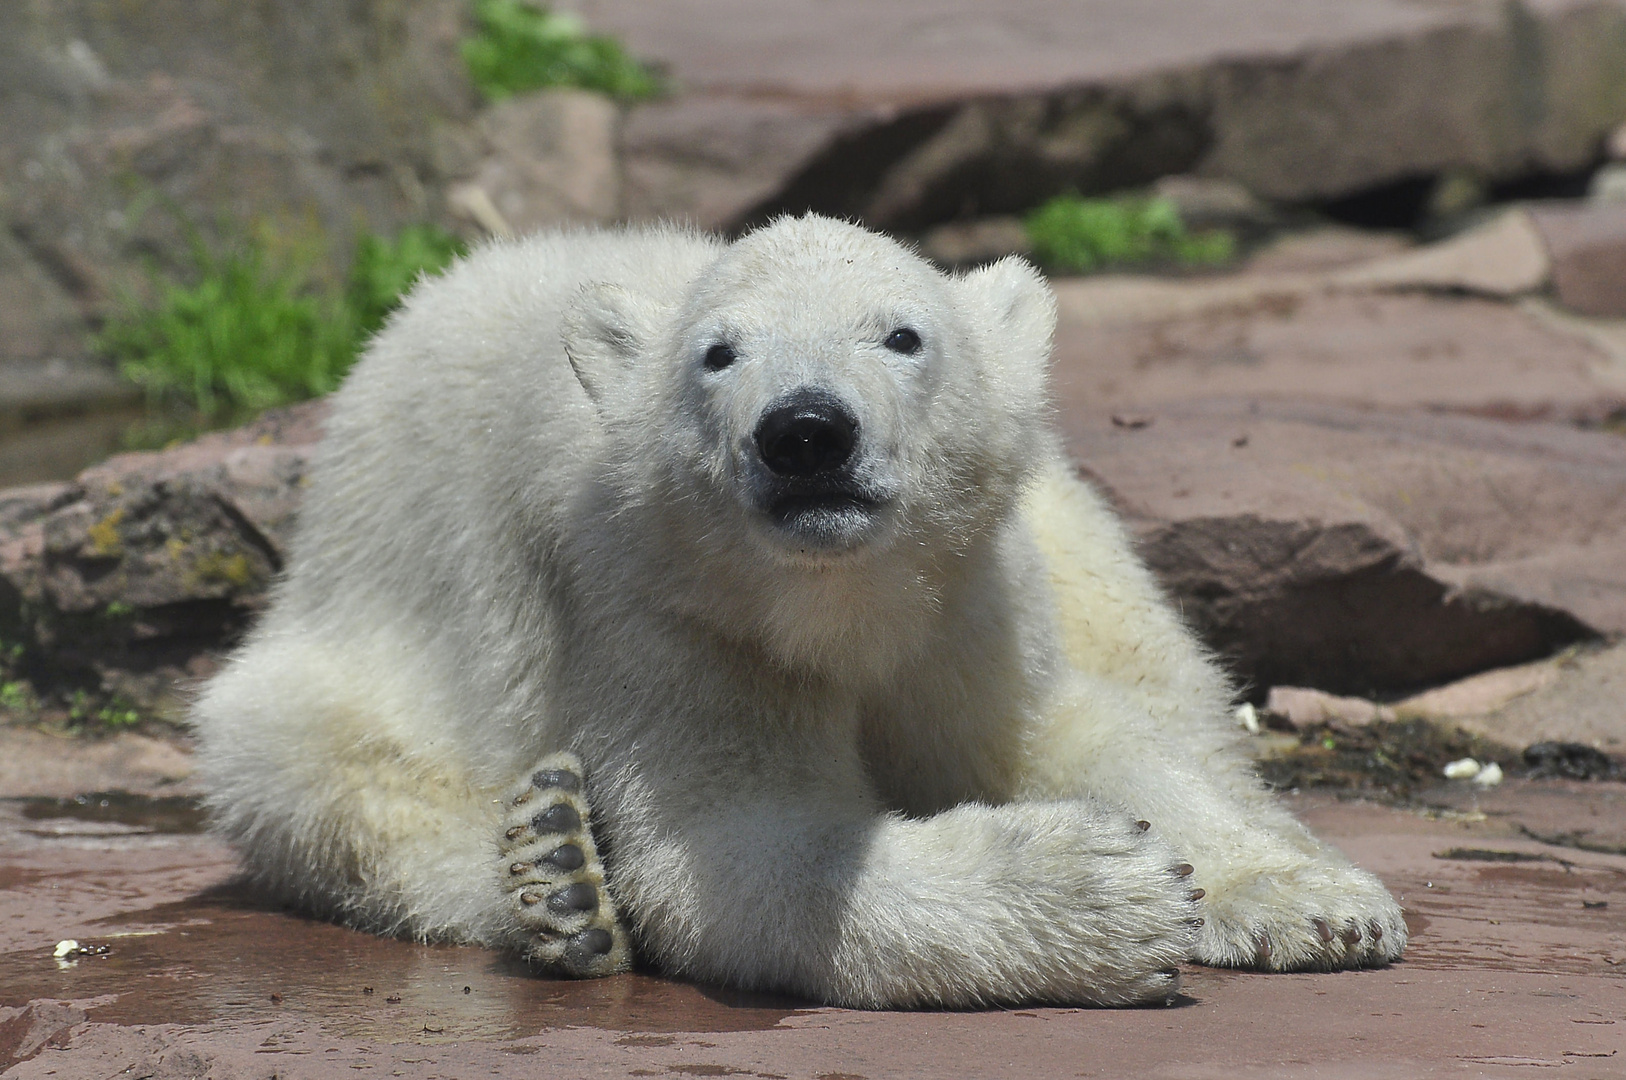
(1515, 963)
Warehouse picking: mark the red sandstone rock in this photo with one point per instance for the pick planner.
(1136, 342)
(1587, 246)
(1367, 551)
(958, 108)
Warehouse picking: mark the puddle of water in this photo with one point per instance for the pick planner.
(57, 448)
(222, 957)
(60, 447)
(1536, 913)
(134, 812)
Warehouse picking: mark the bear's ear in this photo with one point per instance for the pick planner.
(1018, 314)
(605, 329)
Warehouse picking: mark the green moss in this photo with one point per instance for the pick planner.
(521, 46)
(1074, 234)
(232, 569)
(87, 711)
(251, 330)
(105, 542)
(17, 696)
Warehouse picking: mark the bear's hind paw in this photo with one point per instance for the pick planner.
(554, 879)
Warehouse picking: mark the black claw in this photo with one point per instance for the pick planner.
(1198, 894)
(561, 817)
(1377, 932)
(1352, 936)
(594, 941)
(1322, 930)
(578, 897)
(1171, 972)
(1261, 947)
(1143, 825)
(563, 779)
(567, 857)
(1183, 870)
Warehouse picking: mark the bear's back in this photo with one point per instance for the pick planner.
(459, 438)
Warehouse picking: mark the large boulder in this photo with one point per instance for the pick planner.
(1363, 550)
(916, 111)
(129, 579)
(1368, 479)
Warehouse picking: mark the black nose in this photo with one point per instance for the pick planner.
(808, 433)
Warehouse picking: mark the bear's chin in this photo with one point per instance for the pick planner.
(826, 524)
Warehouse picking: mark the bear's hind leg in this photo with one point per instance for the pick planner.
(554, 878)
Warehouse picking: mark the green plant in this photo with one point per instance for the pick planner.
(114, 714)
(1077, 234)
(521, 46)
(17, 696)
(384, 269)
(246, 333)
(250, 331)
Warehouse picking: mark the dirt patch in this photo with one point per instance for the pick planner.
(1393, 760)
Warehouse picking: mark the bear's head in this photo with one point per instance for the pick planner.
(826, 388)
(820, 399)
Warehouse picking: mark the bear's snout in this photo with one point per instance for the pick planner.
(807, 434)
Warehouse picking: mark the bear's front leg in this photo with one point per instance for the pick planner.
(1274, 897)
(1276, 907)
(803, 892)
(553, 877)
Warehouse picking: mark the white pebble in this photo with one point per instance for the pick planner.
(1489, 776)
(1248, 717)
(66, 947)
(1465, 769)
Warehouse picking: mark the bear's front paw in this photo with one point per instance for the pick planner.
(1308, 917)
(554, 879)
(1154, 929)
(1128, 919)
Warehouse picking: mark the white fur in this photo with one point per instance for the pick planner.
(895, 764)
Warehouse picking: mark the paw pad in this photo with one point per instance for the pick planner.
(553, 874)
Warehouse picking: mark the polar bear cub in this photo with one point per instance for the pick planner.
(734, 604)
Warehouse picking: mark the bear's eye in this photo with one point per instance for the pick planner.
(719, 356)
(903, 340)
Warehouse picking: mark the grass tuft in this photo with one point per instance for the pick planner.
(1079, 235)
(384, 269)
(521, 46)
(249, 332)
